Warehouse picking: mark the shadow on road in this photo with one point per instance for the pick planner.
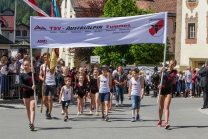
(10, 107)
(179, 127)
(52, 128)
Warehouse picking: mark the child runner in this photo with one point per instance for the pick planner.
(85, 82)
(136, 89)
(165, 95)
(93, 92)
(104, 85)
(66, 95)
(80, 89)
(28, 92)
(61, 82)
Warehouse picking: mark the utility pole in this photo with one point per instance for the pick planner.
(15, 14)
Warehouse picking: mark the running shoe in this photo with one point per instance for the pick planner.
(32, 127)
(103, 118)
(90, 112)
(97, 114)
(133, 119)
(48, 116)
(117, 105)
(166, 125)
(78, 113)
(65, 119)
(62, 113)
(137, 117)
(46, 112)
(122, 105)
(159, 124)
(106, 118)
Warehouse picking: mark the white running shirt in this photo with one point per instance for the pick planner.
(50, 78)
(104, 84)
(66, 95)
(136, 87)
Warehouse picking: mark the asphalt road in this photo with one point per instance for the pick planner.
(187, 121)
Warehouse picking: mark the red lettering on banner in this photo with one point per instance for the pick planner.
(55, 28)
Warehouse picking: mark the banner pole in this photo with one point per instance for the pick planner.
(164, 57)
(32, 65)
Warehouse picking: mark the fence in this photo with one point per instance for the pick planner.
(10, 87)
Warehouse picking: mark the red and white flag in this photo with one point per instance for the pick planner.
(33, 4)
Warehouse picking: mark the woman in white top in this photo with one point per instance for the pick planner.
(136, 89)
(4, 78)
(12, 75)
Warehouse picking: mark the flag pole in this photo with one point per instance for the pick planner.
(15, 14)
(32, 65)
(164, 57)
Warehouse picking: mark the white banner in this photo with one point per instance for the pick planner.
(90, 32)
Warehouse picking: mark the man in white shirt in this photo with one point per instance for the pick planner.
(188, 82)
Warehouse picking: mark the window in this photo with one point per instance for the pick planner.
(191, 30)
(192, 1)
(18, 33)
(174, 26)
(24, 33)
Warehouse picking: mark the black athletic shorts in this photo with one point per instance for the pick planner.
(94, 90)
(165, 91)
(49, 90)
(27, 94)
(65, 104)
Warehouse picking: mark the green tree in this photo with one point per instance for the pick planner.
(135, 53)
(26, 19)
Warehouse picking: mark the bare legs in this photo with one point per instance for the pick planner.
(164, 102)
(48, 102)
(30, 108)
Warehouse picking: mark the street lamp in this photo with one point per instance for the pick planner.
(123, 61)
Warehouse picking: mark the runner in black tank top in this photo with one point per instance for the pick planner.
(93, 92)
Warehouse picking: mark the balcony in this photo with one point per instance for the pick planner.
(20, 38)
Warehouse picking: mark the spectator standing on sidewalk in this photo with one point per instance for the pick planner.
(204, 74)
(193, 82)
(4, 78)
(188, 82)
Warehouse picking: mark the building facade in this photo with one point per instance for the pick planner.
(191, 33)
(163, 6)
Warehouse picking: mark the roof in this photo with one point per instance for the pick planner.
(158, 5)
(8, 22)
(4, 40)
(8, 9)
(22, 43)
(23, 25)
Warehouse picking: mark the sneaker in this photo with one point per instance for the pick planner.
(159, 124)
(85, 106)
(132, 119)
(122, 105)
(32, 127)
(137, 117)
(106, 118)
(65, 119)
(166, 125)
(48, 116)
(90, 112)
(46, 112)
(117, 105)
(62, 113)
(103, 117)
(97, 114)
(78, 113)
